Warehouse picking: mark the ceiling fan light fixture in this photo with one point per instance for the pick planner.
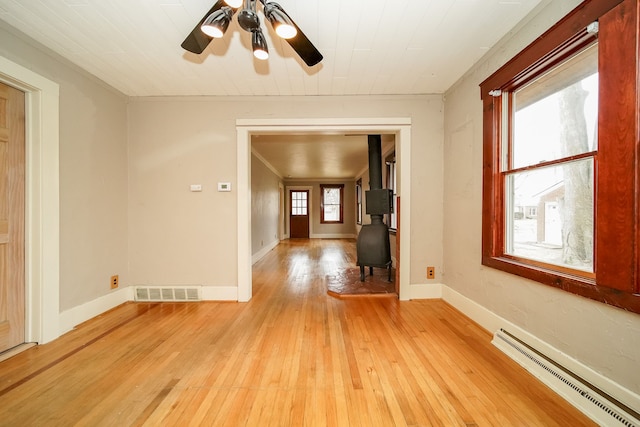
(233, 3)
(259, 44)
(280, 21)
(217, 23)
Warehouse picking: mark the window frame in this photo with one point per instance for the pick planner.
(322, 203)
(391, 168)
(617, 207)
(359, 194)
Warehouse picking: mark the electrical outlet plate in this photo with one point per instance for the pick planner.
(114, 282)
(431, 272)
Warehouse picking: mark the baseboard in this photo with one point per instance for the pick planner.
(426, 291)
(71, 318)
(332, 236)
(220, 293)
(591, 401)
(264, 251)
(492, 323)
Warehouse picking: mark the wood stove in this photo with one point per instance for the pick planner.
(372, 247)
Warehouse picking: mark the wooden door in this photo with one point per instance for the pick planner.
(12, 170)
(299, 219)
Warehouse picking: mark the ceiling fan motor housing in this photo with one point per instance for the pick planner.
(248, 17)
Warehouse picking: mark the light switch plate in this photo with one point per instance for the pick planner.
(195, 187)
(224, 186)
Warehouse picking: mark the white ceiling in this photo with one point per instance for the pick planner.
(370, 47)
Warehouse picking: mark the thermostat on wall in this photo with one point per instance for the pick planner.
(224, 186)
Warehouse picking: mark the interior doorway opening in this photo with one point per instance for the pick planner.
(246, 128)
(42, 201)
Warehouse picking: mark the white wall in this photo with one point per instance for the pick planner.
(603, 338)
(265, 207)
(179, 237)
(93, 172)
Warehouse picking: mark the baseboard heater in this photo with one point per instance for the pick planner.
(167, 293)
(593, 402)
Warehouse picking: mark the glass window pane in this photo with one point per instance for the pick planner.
(549, 214)
(332, 196)
(298, 203)
(331, 213)
(556, 116)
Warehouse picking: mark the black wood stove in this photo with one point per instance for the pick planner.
(373, 248)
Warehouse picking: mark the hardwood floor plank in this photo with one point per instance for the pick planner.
(292, 356)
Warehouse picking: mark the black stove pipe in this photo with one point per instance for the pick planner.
(375, 162)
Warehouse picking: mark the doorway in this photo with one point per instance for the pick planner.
(245, 128)
(299, 214)
(42, 201)
(12, 215)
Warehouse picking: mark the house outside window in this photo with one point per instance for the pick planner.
(559, 175)
(331, 203)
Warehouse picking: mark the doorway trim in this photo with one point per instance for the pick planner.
(246, 128)
(42, 210)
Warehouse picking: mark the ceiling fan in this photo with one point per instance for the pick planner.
(216, 21)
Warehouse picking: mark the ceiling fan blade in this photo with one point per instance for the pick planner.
(197, 41)
(304, 48)
(300, 43)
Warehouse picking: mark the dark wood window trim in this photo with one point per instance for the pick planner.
(322, 188)
(359, 196)
(617, 202)
(389, 161)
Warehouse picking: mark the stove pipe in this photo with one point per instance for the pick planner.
(372, 247)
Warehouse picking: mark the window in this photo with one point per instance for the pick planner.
(559, 190)
(548, 162)
(359, 201)
(331, 203)
(390, 161)
(299, 203)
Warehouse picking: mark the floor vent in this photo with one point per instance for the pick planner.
(599, 406)
(167, 293)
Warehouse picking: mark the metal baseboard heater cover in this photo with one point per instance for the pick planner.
(593, 402)
(168, 293)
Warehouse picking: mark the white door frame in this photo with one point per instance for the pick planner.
(42, 222)
(245, 128)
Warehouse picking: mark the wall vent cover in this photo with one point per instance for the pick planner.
(593, 402)
(168, 293)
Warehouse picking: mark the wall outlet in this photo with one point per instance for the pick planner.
(431, 272)
(114, 282)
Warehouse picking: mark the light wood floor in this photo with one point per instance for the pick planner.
(292, 356)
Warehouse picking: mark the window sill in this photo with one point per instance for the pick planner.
(582, 286)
